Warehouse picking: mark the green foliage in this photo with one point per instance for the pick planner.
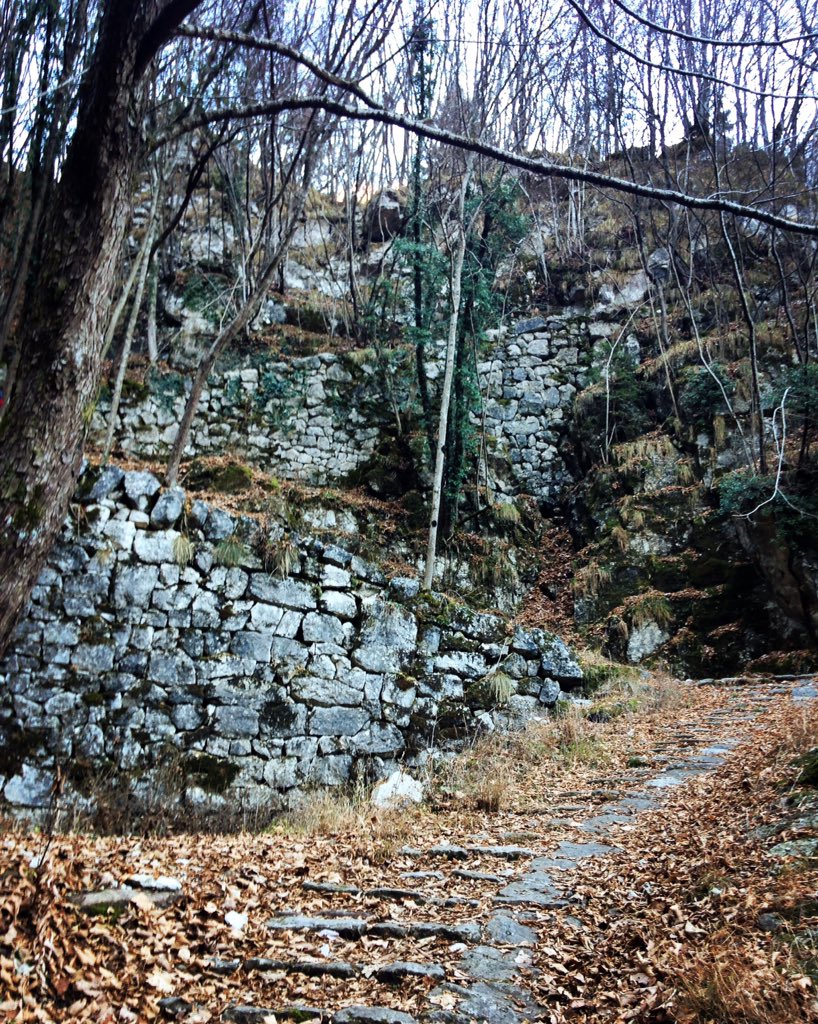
(808, 763)
(165, 387)
(793, 508)
(701, 398)
(226, 478)
(741, 491)
(503, 687)
(800, 384)
(203, 294)
(616, 413)
(651, 608)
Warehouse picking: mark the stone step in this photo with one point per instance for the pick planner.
(381, 892)
(395, 973)
(391, 973)
(387, 893)
(466, 931)
(372, 1015)
(478, 876)
(331, 888)
(503, 852)
(216, 965)
(508, 852)
(244, 1014)
(391, 893)
(309, 968)
(354, 928)
(346, 927)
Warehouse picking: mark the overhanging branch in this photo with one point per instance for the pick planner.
(542, 168)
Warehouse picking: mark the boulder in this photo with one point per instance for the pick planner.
(399, 790)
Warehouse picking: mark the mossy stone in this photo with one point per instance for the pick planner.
(212, 774)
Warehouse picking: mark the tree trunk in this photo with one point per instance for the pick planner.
(235, 327)
(130, 330)
(153, 295)
(446, 393)
(62, 324)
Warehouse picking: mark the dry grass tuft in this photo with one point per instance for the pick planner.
(621, 537)
(350, 816)
(588, 580)
(734, 987)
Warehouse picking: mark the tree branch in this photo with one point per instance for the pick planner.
(542, 168)
(698, 75)
(273, 46)
(707, 40)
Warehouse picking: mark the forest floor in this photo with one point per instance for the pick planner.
(659, 864)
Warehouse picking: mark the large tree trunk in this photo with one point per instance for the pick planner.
(63, 324)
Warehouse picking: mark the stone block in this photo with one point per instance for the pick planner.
(140, 487)
(337, 721)
(235, 721)
(265, 616)
(170, 670)
(287, 593)
(168, 508)
(317, 628)
(339, 604)
(93, 658)
(252, 645)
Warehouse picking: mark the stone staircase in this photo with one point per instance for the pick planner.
(463, 957)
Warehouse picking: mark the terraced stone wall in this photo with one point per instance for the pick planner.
(319, 419)
(156, 629)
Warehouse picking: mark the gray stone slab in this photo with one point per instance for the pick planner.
(478, 876)
(331, 887)
(347, 927)
(388, 893)
(488, 1003)
(371, 1015)
(309, 968)
(395, 973)
(601, 822)
(242, 1014)
(508, 931)
(503, 852)
(666, 781)
(217, 965)
(488, 963)
(449, 851)
(638, 803)
(466, 931)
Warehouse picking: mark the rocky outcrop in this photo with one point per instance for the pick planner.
(157, 628)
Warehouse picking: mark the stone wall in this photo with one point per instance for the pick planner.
(156, 627)
(529, 384)
(319, 419)
(314, 419)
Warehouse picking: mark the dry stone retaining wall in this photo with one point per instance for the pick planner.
(318, 419)
(136, 643)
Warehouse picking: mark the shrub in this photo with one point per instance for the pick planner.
(702, 394)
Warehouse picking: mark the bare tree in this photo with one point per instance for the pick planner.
(83, 140)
